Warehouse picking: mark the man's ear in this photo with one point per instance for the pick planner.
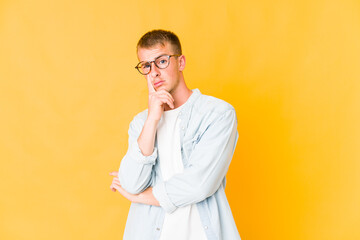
(182, 63)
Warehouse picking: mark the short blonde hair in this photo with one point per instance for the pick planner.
(159, 36)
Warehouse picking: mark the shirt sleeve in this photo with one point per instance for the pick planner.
(135, 172)
(208, 165)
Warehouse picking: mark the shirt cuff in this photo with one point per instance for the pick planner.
(160, 194)
(140, 158)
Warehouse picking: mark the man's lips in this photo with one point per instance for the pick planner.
(158, 84)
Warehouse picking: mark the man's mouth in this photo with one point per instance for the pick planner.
(158, 84)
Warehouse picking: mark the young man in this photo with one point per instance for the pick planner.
(179, 151)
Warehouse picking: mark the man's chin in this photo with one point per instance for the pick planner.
(162, 87)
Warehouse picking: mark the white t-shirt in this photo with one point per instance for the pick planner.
(184, 223)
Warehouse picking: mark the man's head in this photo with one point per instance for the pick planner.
(156, 37)
(161, 60)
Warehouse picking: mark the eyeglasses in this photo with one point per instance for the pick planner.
(161, 62)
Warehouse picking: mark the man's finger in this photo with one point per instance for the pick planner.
(112, 188)
(113, 174)
(150, 86)
(116, 180)
(166, 93)
(170, 104)
(165, 99)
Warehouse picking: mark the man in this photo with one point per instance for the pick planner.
(179, 151)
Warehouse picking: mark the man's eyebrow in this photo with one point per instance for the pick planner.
(156, 57)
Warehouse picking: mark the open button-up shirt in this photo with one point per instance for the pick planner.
(208, 136)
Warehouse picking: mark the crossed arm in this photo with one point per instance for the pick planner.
(146, 142)
(146, 197)
(209, 163)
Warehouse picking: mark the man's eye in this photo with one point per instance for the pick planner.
(162, 61)
(145, 66)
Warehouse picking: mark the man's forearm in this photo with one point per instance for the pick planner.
(146, 140)
(147, 197)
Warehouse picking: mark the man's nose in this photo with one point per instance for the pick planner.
(155, 71)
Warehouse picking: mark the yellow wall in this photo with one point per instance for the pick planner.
(68, 90)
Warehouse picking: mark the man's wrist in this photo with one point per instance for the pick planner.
(151, 121)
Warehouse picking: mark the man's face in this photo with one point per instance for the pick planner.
(168, 78)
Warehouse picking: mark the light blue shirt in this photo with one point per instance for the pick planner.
(208, 136)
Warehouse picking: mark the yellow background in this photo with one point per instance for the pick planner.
(68, 90)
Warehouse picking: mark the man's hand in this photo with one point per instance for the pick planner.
(115, 185)
(157, 99)
(145, 197)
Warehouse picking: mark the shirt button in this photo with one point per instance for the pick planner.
(179, 113)
(183, 128)
(157, 229)
(206, 227)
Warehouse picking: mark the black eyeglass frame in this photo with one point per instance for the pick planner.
(154, 61)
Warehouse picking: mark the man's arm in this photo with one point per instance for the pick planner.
(209, 163)
(146, 197)
(135, 170)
